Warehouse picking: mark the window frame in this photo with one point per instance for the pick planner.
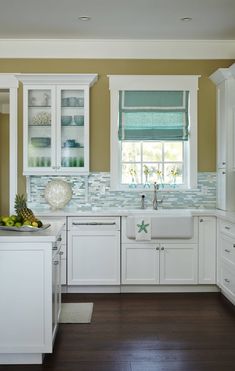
(153, 82)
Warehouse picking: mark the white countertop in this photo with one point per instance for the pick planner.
(47, 235)
(96, 212)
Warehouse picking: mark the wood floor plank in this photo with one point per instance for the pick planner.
(146, 332)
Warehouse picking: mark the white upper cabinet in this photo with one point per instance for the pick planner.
(224, 78)
(56, 123)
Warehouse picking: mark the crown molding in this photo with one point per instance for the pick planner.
(117, 49)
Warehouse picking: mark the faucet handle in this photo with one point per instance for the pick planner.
(156, 186)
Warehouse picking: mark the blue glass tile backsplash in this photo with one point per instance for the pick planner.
(94, 191)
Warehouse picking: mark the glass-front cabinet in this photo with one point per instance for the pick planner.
(56, 124)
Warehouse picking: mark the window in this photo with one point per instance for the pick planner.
(153, 131)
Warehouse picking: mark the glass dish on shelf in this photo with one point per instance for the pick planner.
(41, 142)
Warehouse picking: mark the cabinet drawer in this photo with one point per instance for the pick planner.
(228, 248)
(227, 228)
(227, 278)
(83, 224)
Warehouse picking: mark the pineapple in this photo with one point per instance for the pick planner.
(22, 209)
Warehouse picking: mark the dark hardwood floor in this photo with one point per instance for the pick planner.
(146, 332)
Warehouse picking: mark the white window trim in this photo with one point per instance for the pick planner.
(152, 82)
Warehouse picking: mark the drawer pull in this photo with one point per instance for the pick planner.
(226, 227)
(94, 223)
(157, 248)
(55, 247)
(56, 262)
(226, 250)
(227, 280)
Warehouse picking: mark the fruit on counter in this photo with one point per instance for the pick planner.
(24, 216)
(22, 209)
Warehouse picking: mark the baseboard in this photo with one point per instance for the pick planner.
(140, 288)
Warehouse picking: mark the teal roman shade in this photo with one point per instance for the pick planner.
(153, 115)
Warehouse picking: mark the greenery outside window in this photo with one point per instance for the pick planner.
(153, 131)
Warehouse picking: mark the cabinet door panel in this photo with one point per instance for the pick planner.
(94, 259)
(207, 250)
(178, 264)
(140, 264)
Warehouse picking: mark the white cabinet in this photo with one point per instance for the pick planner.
(226, 259)
(159, 263)
(94, 251)
(30, 297)
(225, 83)
(178, 264)
(56, 123)
(63, 246)
(207, 250)
(140, 264)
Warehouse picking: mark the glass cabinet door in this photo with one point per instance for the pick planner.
(72, 129)
(39, 128)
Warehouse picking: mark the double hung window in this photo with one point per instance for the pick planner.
(153, 131)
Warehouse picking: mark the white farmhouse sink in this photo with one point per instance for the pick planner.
(164, 223)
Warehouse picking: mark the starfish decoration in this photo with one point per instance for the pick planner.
(142, 227)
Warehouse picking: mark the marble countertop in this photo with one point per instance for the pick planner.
(47, 235)
(96, 212)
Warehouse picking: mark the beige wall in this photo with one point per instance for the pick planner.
(99, 123)
(4, 164)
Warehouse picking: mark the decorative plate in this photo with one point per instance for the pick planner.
(24, 228)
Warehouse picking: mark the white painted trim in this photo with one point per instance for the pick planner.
(117, 49)
(13, 149)
(58, 78)
(140, 288)
(9, 81)
(4, 108)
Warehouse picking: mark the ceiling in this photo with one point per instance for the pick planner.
(118, 19)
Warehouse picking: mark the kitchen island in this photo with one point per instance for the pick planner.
(30, 293)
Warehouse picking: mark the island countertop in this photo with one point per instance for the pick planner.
(46, 235)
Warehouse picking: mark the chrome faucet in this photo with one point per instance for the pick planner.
(155, 201)
(142, 202)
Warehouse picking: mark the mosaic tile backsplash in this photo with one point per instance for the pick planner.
(94, 191)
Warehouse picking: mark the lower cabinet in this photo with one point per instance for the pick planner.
(94, 251)
(31, 299)
(226, 259)
(207, 250)
(164, 263)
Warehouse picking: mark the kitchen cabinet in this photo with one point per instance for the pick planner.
(56, 124)
(93, 251)
(63, 246)
(207, 250)
(225, 87)
(226, 259)
(159, 263)
(30, 294)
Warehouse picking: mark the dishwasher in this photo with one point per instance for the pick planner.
(94, 251)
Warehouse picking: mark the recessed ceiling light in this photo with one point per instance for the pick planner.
(186, 19)
(84, 18)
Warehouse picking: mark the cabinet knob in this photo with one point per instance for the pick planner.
(226, 227)
(227, 280)
(226, 250)
(223, 163)
(157, 248)
(223, 172)
(56, 262)
(201, 220)
(61, 253)
(234, 245)
(59, 239)
(162, 248)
